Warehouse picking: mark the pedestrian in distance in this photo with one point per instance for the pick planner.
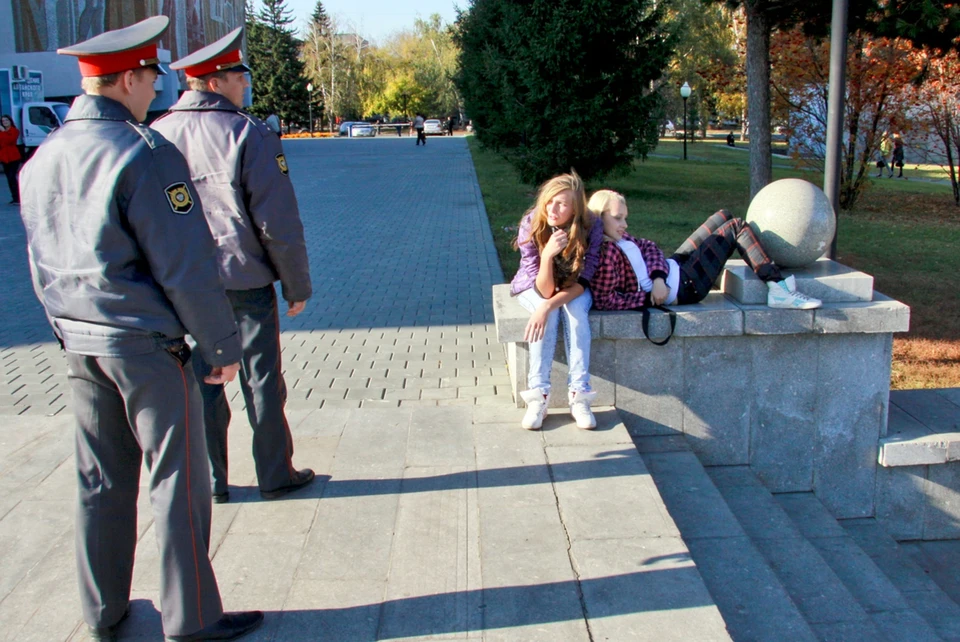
(450, 126)
(730, 140)
(250, 206)
(886, 155)
(897, 156)
(633, 273)
(418, 127)
(559, 243)
(122, 261)
(10, 156)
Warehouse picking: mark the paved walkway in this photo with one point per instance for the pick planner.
(436, 516)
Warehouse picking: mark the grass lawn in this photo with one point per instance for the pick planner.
(905, 233)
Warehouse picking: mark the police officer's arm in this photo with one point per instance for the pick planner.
(272, 205)
(180, 251)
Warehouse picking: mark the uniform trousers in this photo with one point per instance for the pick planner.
(132, 408)
(264, 392)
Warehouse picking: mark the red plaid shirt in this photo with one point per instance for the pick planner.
(614, 285)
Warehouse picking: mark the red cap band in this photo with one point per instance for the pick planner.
(220, 63)
(106, 64)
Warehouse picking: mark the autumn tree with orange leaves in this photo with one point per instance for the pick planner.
(878, 98)
(938, 109)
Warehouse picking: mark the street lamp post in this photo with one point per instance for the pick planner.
(404, 97)
(685, 93)
(310, 106)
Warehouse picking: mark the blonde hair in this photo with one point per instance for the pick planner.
(601, 200)
(93, 85)
(569, 262)
(199, 83)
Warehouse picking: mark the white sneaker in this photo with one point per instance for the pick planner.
(580, 409)
(783, 294)
(537, 403)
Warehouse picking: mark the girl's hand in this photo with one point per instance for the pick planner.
(537, 324)
(660, 292)
(558, 241)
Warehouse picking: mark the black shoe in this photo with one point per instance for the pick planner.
(108, 633)
(229, 627)
(300, 479)
(221, 498)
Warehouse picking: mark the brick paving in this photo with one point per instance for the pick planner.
(402, 263)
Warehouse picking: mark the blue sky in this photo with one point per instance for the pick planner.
(377, 19)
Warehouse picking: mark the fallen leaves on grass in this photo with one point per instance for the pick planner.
(925, 363)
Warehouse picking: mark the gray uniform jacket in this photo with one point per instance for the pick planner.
(120, 253)
(239, 169)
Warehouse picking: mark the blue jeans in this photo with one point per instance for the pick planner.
(576, 341)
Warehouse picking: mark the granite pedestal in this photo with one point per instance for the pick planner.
(799, 395)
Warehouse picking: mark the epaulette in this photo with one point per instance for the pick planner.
(257, 123)
(151, 137)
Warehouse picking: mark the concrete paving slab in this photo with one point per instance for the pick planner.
(643, 604)
(436, 553)
(597, 487)
(332, 610)
(45, 605)
(31, 529)
(254, 572)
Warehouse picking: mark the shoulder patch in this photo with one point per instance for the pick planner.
(178, 195)
(282, 164)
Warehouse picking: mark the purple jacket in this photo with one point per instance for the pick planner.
(530, 257)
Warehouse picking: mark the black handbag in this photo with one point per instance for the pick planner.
(881, 164)
(645, 323)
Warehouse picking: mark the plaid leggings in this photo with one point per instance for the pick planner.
(703, 255)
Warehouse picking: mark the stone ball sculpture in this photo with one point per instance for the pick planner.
(794, 221)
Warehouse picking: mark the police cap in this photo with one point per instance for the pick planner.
(111, 52)
(222, 55)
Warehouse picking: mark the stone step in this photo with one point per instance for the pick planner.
(890, 611)
(940, 561)
(748, 593)
(913, 581)
(821, 597)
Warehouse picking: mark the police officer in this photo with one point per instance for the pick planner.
(241, 174)
(123, 263)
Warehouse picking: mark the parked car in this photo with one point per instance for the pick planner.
(357, 129)
(433, 127)
(364, 130)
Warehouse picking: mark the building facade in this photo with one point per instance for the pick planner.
(31, 31)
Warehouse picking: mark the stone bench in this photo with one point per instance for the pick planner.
(799, 395)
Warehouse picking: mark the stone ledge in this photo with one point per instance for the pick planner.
(824, 279)
(720, 316)
(883, 314)
(909, 449)
(715, 316)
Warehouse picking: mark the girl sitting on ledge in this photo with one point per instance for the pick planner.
(559, 243)
(634, 273)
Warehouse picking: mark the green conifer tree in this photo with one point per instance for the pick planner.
(279, 85)
(563, 83)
